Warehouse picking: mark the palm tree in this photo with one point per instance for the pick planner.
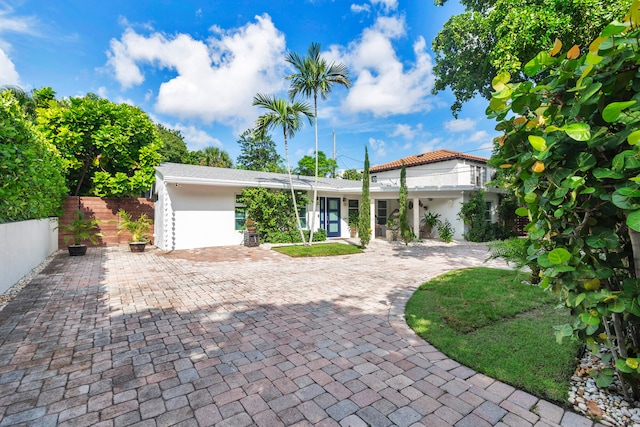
(213, 156)
(289, 116)
(315, 76)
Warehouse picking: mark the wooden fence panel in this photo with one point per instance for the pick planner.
(106, 211)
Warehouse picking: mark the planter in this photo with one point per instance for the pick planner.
(77, 250)
(137, 246)
(354, 231)
(251, 229)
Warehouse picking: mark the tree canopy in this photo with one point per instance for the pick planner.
(352, 174)
(174, 149)
(110, 148)
(210, 156)
(307, 165)
(258, 153)
(493, 36)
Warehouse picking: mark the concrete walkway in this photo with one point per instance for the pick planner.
(240, 337)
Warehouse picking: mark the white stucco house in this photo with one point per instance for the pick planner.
(196, 206)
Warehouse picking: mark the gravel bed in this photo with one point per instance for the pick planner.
(16, 288)
(604, 404)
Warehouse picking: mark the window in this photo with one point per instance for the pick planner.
(487, 212)
(478, 175)
(240, 212)
(382, 212)
(374, 178)
(353, 208)
(302, 211)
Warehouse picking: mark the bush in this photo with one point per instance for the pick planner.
(514, 252)
(293, 236)
(33, 184)
(446, 231)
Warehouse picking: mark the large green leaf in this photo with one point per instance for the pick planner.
(579, 131)
(522, 212)
(612, 111)
(559, 256)
(590, 319)
(634, 137)
(633, 220)
(537, 142)
(602, 173)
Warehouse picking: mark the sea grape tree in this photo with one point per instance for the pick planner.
(571, 143)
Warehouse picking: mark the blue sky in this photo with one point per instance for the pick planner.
(196, 65)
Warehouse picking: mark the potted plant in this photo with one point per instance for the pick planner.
(430, 220)
(354, 218)
(393, 228)
(250, 225)
(80, 229)
(139, 230)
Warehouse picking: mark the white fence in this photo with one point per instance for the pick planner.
(23, 246)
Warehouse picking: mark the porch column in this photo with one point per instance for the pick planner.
(416, 217)
(372, 223)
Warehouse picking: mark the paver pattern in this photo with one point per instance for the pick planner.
(242, 337)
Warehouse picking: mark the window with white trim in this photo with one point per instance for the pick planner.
(240, 213)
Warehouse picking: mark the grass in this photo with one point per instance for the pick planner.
(322, 249)
(488, 320)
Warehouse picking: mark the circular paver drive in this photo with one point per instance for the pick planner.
(239, 337)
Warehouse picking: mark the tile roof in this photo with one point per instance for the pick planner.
(180, 173)
(425, 158)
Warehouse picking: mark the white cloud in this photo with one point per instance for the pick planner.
(480, 136)
(406, 131)
(8, 73)
(15, 24)
(197, 139)
(431, 145)
(379, 148)
(102, 92)
(359, 8)
(383, 86)
(387, 5)
(216, 79)
(460, 125)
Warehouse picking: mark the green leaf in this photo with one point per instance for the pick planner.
(579, 131)
(613, 29)
(530, 197)
(538, 142)
(603, 173)
(522, 212)
(634, 137)
(590, 319)
(559, 256)
(612, 111)
(621, 365)
(500, 80)
(633, 220)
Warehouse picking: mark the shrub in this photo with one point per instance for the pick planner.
(446, 231)
(33, 184)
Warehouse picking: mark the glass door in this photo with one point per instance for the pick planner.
(330, 215)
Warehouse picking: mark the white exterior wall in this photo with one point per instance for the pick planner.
(23, 246)
(440, 174)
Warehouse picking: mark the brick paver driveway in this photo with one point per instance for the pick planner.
(238, 337)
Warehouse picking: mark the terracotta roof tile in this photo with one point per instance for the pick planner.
(425, 158)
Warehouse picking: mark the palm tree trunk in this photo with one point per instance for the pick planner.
(315, 185)
(293, 193)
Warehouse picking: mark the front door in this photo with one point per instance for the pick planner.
(330, 215)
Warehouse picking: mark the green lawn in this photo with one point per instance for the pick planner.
(319, 249)
(488, 320)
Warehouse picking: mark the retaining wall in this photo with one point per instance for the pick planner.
(24, 245)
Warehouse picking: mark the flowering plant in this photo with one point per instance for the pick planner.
(249, 223)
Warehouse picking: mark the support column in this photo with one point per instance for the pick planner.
(416, 217)
(372, 211)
